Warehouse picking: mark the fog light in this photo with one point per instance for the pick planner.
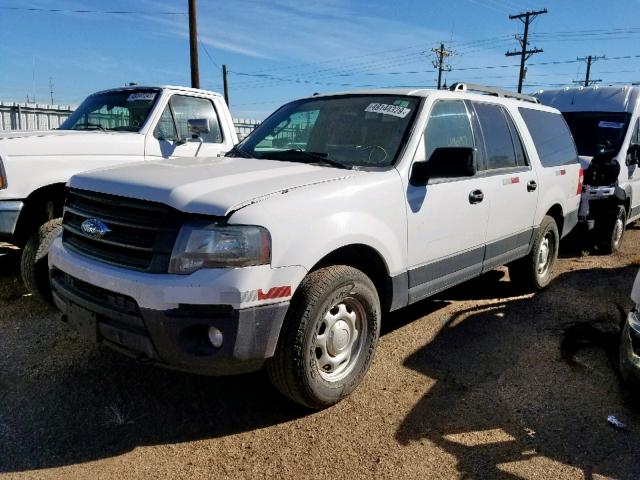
(215, 337)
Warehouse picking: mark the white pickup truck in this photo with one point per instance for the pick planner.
(334, 210)
(111, 127)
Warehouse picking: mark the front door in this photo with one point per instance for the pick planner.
(447, 219)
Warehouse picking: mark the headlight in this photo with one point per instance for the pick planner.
(3, 176)
(218, 246)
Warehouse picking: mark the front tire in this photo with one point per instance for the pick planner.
(613, 230)
(34, 262)
(328, 338)
(533, 272)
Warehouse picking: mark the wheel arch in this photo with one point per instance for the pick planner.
(366, 259)
(557, 214)
(42, 205)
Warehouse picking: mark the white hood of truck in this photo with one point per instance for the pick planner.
(70, 142)
(209, 186)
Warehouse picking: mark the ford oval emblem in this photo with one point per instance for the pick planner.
(94, 228)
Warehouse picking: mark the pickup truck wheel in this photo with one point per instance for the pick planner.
(328, 338)
(612, 231)
(34, 262)
(533, 272)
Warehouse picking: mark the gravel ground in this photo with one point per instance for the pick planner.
(480, 382)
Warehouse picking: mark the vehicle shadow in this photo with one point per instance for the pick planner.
(100, 405)
(503, 393)
(9, 261)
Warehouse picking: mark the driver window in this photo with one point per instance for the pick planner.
(448, 126)
(166, 128)
(635, 138)
(186, 108)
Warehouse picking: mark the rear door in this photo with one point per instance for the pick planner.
(171, 138)
(511, 190)
(446, 224)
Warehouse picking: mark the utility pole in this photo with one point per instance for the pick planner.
(193, 45)
(51, 89)
(526, 18)
(224, 83)
(439, 62)
(590, 60)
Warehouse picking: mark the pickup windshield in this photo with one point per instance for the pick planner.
(123, 110)
(341, 131)
(596, 132)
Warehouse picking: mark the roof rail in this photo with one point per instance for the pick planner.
(473, 87)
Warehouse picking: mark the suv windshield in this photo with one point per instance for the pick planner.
(123, 110)
(342, 131)
(595, 132)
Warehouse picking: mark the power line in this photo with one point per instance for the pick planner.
(110, 12)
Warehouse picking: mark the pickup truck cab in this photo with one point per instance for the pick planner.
(111, 127)
(337, 208)
(605, 122)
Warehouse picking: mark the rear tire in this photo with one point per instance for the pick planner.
(328, 338)
(34, 262)
(612, 231)
(533, 272)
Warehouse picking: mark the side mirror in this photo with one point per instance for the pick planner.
(633, 155)
(198, 126)
(445, 162)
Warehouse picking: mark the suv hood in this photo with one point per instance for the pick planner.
(209, 186)
(70, 142)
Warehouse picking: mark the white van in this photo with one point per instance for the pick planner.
(605, 126)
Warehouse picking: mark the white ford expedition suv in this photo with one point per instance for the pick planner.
(338, 208)
(111, 127)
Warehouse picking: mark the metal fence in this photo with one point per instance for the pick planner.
(37, 116)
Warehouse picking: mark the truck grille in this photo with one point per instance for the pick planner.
(141, 236)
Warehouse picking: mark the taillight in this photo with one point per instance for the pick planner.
(3, 177)
(580, 181)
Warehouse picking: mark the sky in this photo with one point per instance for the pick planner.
(279, 50)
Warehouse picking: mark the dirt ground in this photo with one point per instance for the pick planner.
(480, 382)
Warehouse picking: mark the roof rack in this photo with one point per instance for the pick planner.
(473, 87)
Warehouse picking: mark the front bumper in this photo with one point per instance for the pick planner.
(630, 348)
(9, 214)
(176, 338)
(164, 319)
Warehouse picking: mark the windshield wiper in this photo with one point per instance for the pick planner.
(97, 126)
(298, 155)
(236, 151)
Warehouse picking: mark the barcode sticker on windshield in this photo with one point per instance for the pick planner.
(604, 124)
(386, 109)
(135, 97)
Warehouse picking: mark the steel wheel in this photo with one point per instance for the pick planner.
(618, 230)
(545, 254)
(340, 339)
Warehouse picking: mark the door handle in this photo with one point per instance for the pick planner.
(531, 186)
(476, 197)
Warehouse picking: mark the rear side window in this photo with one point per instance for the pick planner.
(499, 145)
(551, 137)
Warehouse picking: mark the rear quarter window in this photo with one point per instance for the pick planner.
(551, 137)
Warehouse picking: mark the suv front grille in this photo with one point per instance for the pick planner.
(141, 236)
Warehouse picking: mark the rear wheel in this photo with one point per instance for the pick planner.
(612, 231)
(534, 271)
(34, 262)
(328, 338)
